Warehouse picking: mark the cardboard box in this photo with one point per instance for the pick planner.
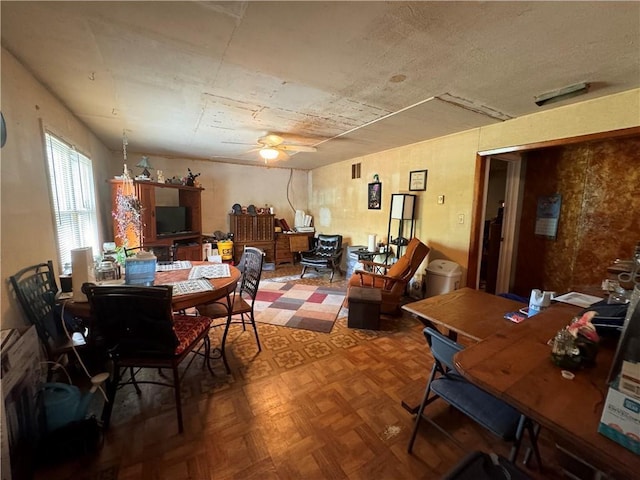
(620, 419)
(630, 379)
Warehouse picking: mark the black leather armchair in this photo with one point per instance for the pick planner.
(326, 255)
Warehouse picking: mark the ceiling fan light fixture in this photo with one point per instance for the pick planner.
(269, 153)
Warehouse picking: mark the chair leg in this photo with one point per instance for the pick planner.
(133, 380)
(207, 353)
(255, 330)
(526, 424)
(424, 403)
(112, 388)
(515, 448)
(176, 387)
(533, 431)
(224, 342)
(304, 269)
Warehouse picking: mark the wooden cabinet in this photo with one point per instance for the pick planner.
(188, 243)
(253, 231)
(283, 251)
(288, 245)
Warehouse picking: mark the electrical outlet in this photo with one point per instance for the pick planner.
(461, 218)
(440, 199)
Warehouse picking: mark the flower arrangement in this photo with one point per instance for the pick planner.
(583, 327)
(577, 344)
(128, 217)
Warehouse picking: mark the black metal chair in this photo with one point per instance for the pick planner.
(243, 299)
(326, 255)
(492, 413)
(36, 289)
(138, 329)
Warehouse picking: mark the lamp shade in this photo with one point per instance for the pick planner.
(144, 163)
(402, 206)
(268, 153)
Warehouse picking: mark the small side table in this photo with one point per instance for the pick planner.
(364, 307)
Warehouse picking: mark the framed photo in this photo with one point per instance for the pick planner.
(374, 196)
(417, 180)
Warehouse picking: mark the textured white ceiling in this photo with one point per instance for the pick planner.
(207, 79)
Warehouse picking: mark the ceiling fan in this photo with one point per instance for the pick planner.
(273, 147)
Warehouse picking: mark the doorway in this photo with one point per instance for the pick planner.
(500, 219)
(514, 193)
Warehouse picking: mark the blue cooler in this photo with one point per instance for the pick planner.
(140, 269)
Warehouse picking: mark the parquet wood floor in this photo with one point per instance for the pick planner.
(309, 406)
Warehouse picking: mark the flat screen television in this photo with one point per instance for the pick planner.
(171, 220)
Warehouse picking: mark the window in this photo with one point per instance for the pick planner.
(72, 197)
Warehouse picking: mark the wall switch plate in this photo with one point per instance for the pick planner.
(461, 218)
(440, 199)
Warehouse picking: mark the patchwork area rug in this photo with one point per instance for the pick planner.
(308, 307)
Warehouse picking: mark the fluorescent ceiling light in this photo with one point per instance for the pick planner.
(562, 94)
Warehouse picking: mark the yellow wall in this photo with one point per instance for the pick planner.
(450, 162)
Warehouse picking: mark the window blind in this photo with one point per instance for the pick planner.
(72, 198)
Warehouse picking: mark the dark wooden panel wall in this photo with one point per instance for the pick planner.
(599, 219)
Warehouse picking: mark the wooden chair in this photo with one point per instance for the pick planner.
(243, 299)
(394, 279)
(36, 289)
(492, 413)
(326, 255)
(137, 329)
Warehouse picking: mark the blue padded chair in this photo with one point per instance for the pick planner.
(492, 413)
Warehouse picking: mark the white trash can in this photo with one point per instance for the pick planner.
(443, 276)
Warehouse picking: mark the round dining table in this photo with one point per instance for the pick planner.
(221, 292)
(222, 287)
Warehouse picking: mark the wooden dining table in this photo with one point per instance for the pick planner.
(513, 362)
(515, 365)
(221, 292)
(222, 287)
(472, 313)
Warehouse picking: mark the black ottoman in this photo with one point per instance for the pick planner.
(364, 308)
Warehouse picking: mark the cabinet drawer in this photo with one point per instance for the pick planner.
(188, 252)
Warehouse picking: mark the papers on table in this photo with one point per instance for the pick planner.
(578, 299)
(218, 270)
(190, 286)
(177, 265)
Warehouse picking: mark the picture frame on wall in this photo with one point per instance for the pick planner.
(374, 196)
(417, 180)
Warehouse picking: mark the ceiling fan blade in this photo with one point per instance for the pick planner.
(271, 140)
(282, 155)
(298, 148)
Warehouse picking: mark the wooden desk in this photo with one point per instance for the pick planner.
(472, 313)
(514, 364)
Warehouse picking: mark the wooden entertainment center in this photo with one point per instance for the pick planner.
(188, 244)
